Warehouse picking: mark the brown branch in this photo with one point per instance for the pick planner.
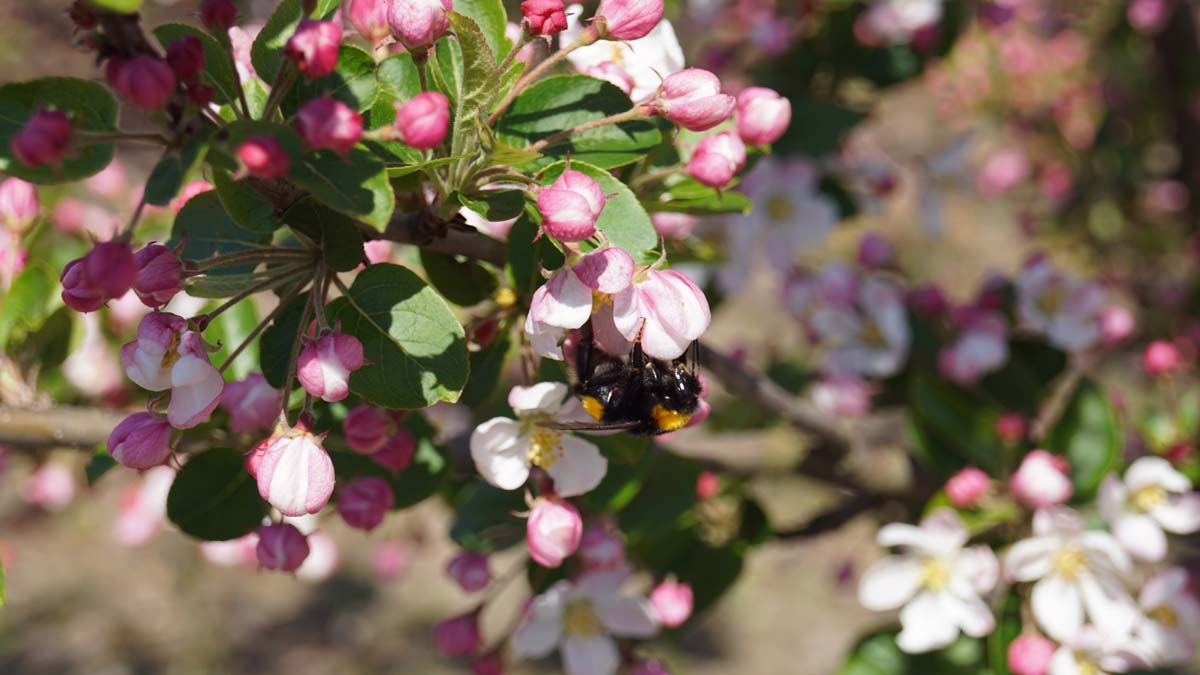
(56, 427)
(833, 518)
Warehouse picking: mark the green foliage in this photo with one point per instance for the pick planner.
(340, 241)
(567, 101)
(525, 258)
(879, 655)
(624, 220)
(356, 184)
(245, 205)
(173, 169)
(484, 519)
(219, 71)
(952, 427)
(690, 196)
(490, 17)
(98, 465)
(396, 82)
(276, 342)
(214, 498)
(27, 301)
(462, 281)
(205, 229)
(122, 6)
(352, 82)
(468, 73)
(229, 329)
(1088, 436)
(90, 107)
(487, 364)
(415, 348)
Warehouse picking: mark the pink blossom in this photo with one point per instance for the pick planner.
(328, 124)
(19, 205)
(314, 47)
(323, 558)
(981, 348)
(1116, 325)
(545, 17)
(665, 309)
(1161, 357)
(397, 451)
(672, 602)
(1003, 170)
(717, 159)
(369, 18)
(185, 56)
(43, 139)
(264, 157)
(458, 636)
(708, 485)
(601, 548)
(762, 115)
(240, 551)
(218, 15)
(196, 385)
(252, 404)
(145, 81)
(692, 98)
(141, 441)
(423, 120)
(470, 570)
(613, 72)
(143, 507)
(1062, 308)
(553, 531)
(417, 24)
(294, 472)
(928, 300)
(628, 19)
(363, 502)
(967, 487)
(1042, 480)
(391, 559)
(564, 302)
(325, 365)
(843, 395)
(1030, 654)
(51, 487)
(570, 206)
(281, 547)
(159, 275)
(670, 225)
(874, 251)
(1148, 16)
(367, 428)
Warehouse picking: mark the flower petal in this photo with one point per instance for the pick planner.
(925, 626)
(591, 655)
(970, 613)
(1150, 471)
(608, 270)
(1058, 607)
(541, 627)
(563, 301)
(499, 453)
(1181, 513)
(1030, 559)
(889, 583)
(541, 397)
(627, 616)
(579, 469)
(1108, 605)
(1140, 536)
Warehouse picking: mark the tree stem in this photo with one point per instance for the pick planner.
(586, 38)
(633, 113)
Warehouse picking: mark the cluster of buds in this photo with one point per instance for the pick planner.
(111, 269)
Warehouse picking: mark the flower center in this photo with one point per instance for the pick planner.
(1051, 299)
(871, 336)
(599, 300)
(1084, 666)
(935, 574)
(617, 54)
(780, 209)
(1165, 615)
(580, 621)
(172, 354)
(545, 447)
(1146, 498)
(1068, 562)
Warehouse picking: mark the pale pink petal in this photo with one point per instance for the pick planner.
(925, 626)
(1181, 513)
(541, 397)
(1058, 607)
(579, 469)
(1140, 536)
(1148, 471)
(499, 453)
(590, 655)
(889, 583)
(627, 616)
(609, 270)
(1029, 559)
(563, 301)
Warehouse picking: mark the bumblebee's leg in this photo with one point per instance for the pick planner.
(638, 359)
(584, 365)
(695, 354)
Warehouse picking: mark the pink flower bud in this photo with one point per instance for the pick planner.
(1030, 655)
(423, 121)
(692, 98)
(570, 207)
(417, 24)
(391, 559)
(264, 157)
(326, 123)
(141, 441)
(1002, 171)
(1011, 427)
(43, 139)
(367, 428)
(1160, 358)
(325, 365)
(708, 485)
(470, 570)
(1042, 480)
(369, 18)
(874, 251)
(670, 225)
(458, 636)
(553, 531)
(281, 547)
(628, 19)
(252, 404)
(19, 204)
(159, 275)
(314, 47)
(1148, 16)
(672, 602)
(762, 115)
(200, 94)
(78, 293)
(218, 15)
(967, 487)
(397, 452)
(601, 548)
(363, 502)
(488, 664)
(50, 487)
(295, 473)
(1116, 325)
(650, 667)
(928, 300)
(545, 17)
(717, 159)
(185, 56)
(144, 80)
(112, 268)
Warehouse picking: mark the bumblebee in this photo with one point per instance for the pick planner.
(643, 395)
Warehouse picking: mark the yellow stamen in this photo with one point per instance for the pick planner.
(172, 353)
(1165, 615)
(580, 621)
(1051, 299)
(669, 420)
(871, 335)
(599, 300)
(1085, 666)
(593, 407)
(935, 574)
(545, 447)
(1145, 498)
(1068, 562)
(505, 297)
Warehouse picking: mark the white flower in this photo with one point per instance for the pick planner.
(1152, 498)
(646, 60)
(1066, 310)
(937, 581)
(1092, 652)
(1169, 631)
(581, 619)
(504, 449)
(870, 338)
(1077, 573)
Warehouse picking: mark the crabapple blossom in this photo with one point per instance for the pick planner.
(967, 487)
(1160, 358)
(570, 206)
(141, 441)
(545, 17)
(323, 558)
(363, 502)
(143, 507)
(865, 333)
(843, 395)
(1169, 630)
(325, 365)
(470, 570)
(692, 98)
(166, 355)
(367, 428)
(43, 139)
(145, 81)
(218, 15)
(1094, 652)
(252, 404)
(293, 471)
(369, 18)
(19, 205)
(670, 225)
(672, 602)
(581, 618)
(601, 548)
(1151, 498)
(627, 19)
(981, 347)
(717, 159)
(1067, 311)
(938, 582)
(458, 636)
(636, 67)
(1077, 574)
(314, 47)
(417, 24)
(423, 120)
(281, 547)
(553, 531)
(397, 451)
(565, 301)
(107, 272)
(264, 157)
(1042, 480)
(762, 115)
(50, 487)
(1030, 654)
(328, 124)
(890, 22)
(159, 275)
(185, 56)
(664, 309)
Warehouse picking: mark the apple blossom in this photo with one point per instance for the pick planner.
(50, 487)
(1030, 654)
(1169, 630)
(1003, 170)
(323, 558)
(1064, 309)
(264, 157)
(1161, 357)
(423, 120)
(325, 365)
(937, 581)
(1011, 428)
(252, 404)
(281, 547)
(145, 81)
(107, 272)
(43, 139)
(294, 472)
(458, 636)
(967, 487)
(417, 24)
(141, 441)
(218, 15)
(636, 66)
(328, 124)
(601, 548)
(367, 428)
(861, 324)
(544, 17)
(692, 98)
(981, 347)
(553, 531)
(1151, 498)
(565, 301)
(159, 275)
(1094, 652)
(470, 570)
(185, 56)
(1077, 574)
(314, 47)
(762, 115)
(627, 19)
(672, 602)
(397, 451)
(1042, 480)
(1116, 324)
(369, 18)
(19, 205)
(363, 502)
(581, 618)
(717, 159)
(664, 310)
(167, 356)
(570, 206)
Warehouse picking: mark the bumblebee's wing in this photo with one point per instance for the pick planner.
(592, 426)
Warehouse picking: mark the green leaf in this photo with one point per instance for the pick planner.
(484, 518)
(879, 655)
(206, 229)
(491, 18)
(472, 78)
(463, 282)
(624, 221)
(26, 301)
(567, 101)
(352, 82)
(487, 365)
(951, 427)
(229, 330)
(51, 343)
(495, 204)
(267, 51)
(276, 342)
(225, 286)
(689, 196)
(1088, 436)
(169, 174)
(245, 205)
(98, 465)
(356, 185)
(91, 109)
(416, 349)
(121, 6)
(396, 82)
(214, 498)
(338, 236)
(825, 126)
(219, 71)
(525, 258)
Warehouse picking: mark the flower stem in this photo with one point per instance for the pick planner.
(283, 81)
(284, 276)
(654, 176)
(633, 113)
(253, 256)
(116, 137)
(320, 287)
(294, 356)
(588, 36)
(262, 325)
(512, 53)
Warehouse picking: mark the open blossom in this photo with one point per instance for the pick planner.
(981, 348)
(1066, 310)
(325, 365)
(890, 22)
(328, 124)
(252, 404)
(1092, 651)
(861, 324)
(565, 301)
(369, 18)
(43, 139)
(762, 115)
(601, 548)
(166, 355)
(363, 502)
(423, 120)
(717, 159)
(665, 309)
(417, 24)
(314, 47)
(636, 66)
(504, 449)
(570, 206)
(628, 19)
(281, 547)
(1043, 479)
(938, 583)
(293, 471)
(553, 531)
(19, 205)
(1169, 630)
(470, 570)
(1151, 498)
(1077, 574)
(140, 441)
(581, 619)
(692, 98)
